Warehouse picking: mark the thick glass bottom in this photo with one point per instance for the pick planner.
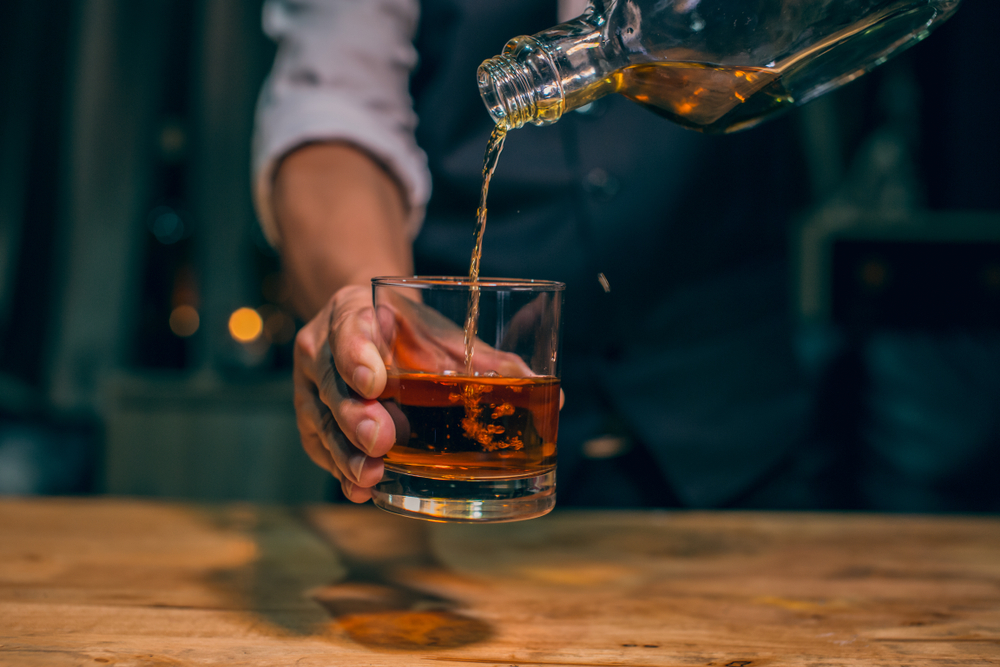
(464, 501)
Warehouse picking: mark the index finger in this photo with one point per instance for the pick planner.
(352, 342)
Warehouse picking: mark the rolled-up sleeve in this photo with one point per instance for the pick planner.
(341, 74)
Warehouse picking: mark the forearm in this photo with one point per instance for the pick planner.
(341, 219)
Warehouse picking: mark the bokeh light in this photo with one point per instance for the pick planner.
(245, 325)
(279, 327)
(184, 321)
(167, 225)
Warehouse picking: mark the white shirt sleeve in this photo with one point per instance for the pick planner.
(341, 73)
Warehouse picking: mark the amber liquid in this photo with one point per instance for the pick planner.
(468, 428)
(493, 149)
(720, 99)
(705, 97)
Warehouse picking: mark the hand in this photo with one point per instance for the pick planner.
(343, 428)
(415, 337)
(340, 373)
(341, 218)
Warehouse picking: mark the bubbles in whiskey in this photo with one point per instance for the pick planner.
(457, 427)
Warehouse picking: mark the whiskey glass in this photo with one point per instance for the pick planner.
(475, 433)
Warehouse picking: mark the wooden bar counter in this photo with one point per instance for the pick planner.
(96, 582)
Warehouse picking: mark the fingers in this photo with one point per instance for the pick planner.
(341, 456)
(321, 456)
(343, 429)
(354, 493)
(352, 342)
(509, 364)
(368, 425)
(330, 449)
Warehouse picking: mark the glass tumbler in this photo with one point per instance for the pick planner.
(476, 418)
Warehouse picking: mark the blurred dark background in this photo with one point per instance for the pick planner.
(128, 242)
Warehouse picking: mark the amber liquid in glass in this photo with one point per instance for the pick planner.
(473, 428)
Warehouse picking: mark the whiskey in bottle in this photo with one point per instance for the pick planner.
(714, 65)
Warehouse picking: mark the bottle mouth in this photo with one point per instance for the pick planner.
(505, 86)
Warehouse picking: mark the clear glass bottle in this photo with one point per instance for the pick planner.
(711, 65)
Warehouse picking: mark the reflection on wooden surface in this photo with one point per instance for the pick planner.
(100, 582)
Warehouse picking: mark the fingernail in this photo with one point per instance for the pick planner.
(367, 433)
(357, 465)
(364, 380)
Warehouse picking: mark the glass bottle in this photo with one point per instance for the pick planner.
(711, 65)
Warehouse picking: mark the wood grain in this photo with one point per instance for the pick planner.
(138, 584)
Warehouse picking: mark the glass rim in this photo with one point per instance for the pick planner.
(463, 283)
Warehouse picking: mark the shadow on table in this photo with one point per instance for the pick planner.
(376, 602)
(359, 573)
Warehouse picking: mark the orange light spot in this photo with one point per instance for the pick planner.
(740, 97)
(685, 108)
(245, 325)
(184, 321)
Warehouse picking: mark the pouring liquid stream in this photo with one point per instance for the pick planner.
(493, 149)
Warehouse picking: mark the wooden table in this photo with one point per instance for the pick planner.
(140, 584)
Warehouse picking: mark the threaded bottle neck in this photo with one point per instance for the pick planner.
(508, 90)
(522, 84)
(540, 77)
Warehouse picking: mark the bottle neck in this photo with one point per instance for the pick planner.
(539, 78)
(522, 88)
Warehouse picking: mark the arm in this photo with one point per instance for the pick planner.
(339, 214)
(341, 220)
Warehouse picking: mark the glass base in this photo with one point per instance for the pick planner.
(463, 501)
